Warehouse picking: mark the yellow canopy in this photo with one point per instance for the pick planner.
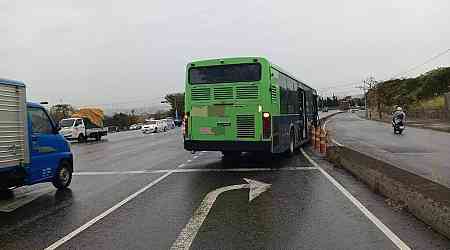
(95, 115)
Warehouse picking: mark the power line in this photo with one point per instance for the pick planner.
(422, 64)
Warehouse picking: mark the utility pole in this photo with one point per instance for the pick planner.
(368, 84)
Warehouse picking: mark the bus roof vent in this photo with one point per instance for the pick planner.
(247, 92)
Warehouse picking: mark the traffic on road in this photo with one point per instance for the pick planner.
(225, 125)
(234, 176)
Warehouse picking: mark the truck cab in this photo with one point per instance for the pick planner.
(31, 148)
(81, 128)
(73, 128)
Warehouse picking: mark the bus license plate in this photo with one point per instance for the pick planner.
(206, 131)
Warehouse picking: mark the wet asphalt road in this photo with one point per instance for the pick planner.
(421, 151)
(302, 209)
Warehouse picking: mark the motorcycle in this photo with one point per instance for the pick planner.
(398, 126)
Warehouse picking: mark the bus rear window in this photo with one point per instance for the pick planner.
(248, 72)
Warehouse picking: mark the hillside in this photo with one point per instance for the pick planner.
(425, 90)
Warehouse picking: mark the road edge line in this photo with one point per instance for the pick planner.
(391, 235)
(88, 224)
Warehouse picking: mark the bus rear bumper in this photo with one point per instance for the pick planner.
(239, 146)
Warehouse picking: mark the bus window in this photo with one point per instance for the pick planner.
(245, 72)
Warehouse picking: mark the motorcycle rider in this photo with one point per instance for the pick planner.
(399, 116)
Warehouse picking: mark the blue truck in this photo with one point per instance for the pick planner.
(31, 148)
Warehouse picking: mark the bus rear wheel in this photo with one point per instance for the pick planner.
(291, 143)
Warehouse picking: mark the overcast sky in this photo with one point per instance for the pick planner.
(131, 53)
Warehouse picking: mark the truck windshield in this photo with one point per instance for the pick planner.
(248, 72)
(67, 123)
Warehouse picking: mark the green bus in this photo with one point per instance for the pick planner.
(246, 104)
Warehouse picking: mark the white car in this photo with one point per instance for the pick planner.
(170, 123)
(154, 126)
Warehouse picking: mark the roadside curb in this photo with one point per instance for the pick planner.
(425, 199)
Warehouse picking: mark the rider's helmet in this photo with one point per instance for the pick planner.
(399, 108)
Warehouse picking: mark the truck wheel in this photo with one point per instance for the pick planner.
(81, 138)
(63, 175)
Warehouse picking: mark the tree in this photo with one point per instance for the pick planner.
(335, 101)
(120, 120)
(61, 111)
(176, 102)
(160, 114)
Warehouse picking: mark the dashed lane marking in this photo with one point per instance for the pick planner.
(190, 170)
(391, 235)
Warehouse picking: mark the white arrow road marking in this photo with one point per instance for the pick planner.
(187, 235)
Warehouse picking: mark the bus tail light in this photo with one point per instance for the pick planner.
(186, 124)
(267, 125)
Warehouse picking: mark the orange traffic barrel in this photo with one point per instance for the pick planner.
(323, 142)
(317, 145)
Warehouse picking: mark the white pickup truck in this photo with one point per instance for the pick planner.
(81, 129)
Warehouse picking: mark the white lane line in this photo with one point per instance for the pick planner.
(195, 157)
(324, 127)
(189, 160)
(391, 235)
(181, 165)
(189, 170)
(337, 143)
(109, 172)
(106, 213)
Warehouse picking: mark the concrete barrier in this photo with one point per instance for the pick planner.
(427, 200)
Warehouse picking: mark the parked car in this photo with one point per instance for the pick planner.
(178, 122)
(170, 123)
(113, 129)
(154, 126)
